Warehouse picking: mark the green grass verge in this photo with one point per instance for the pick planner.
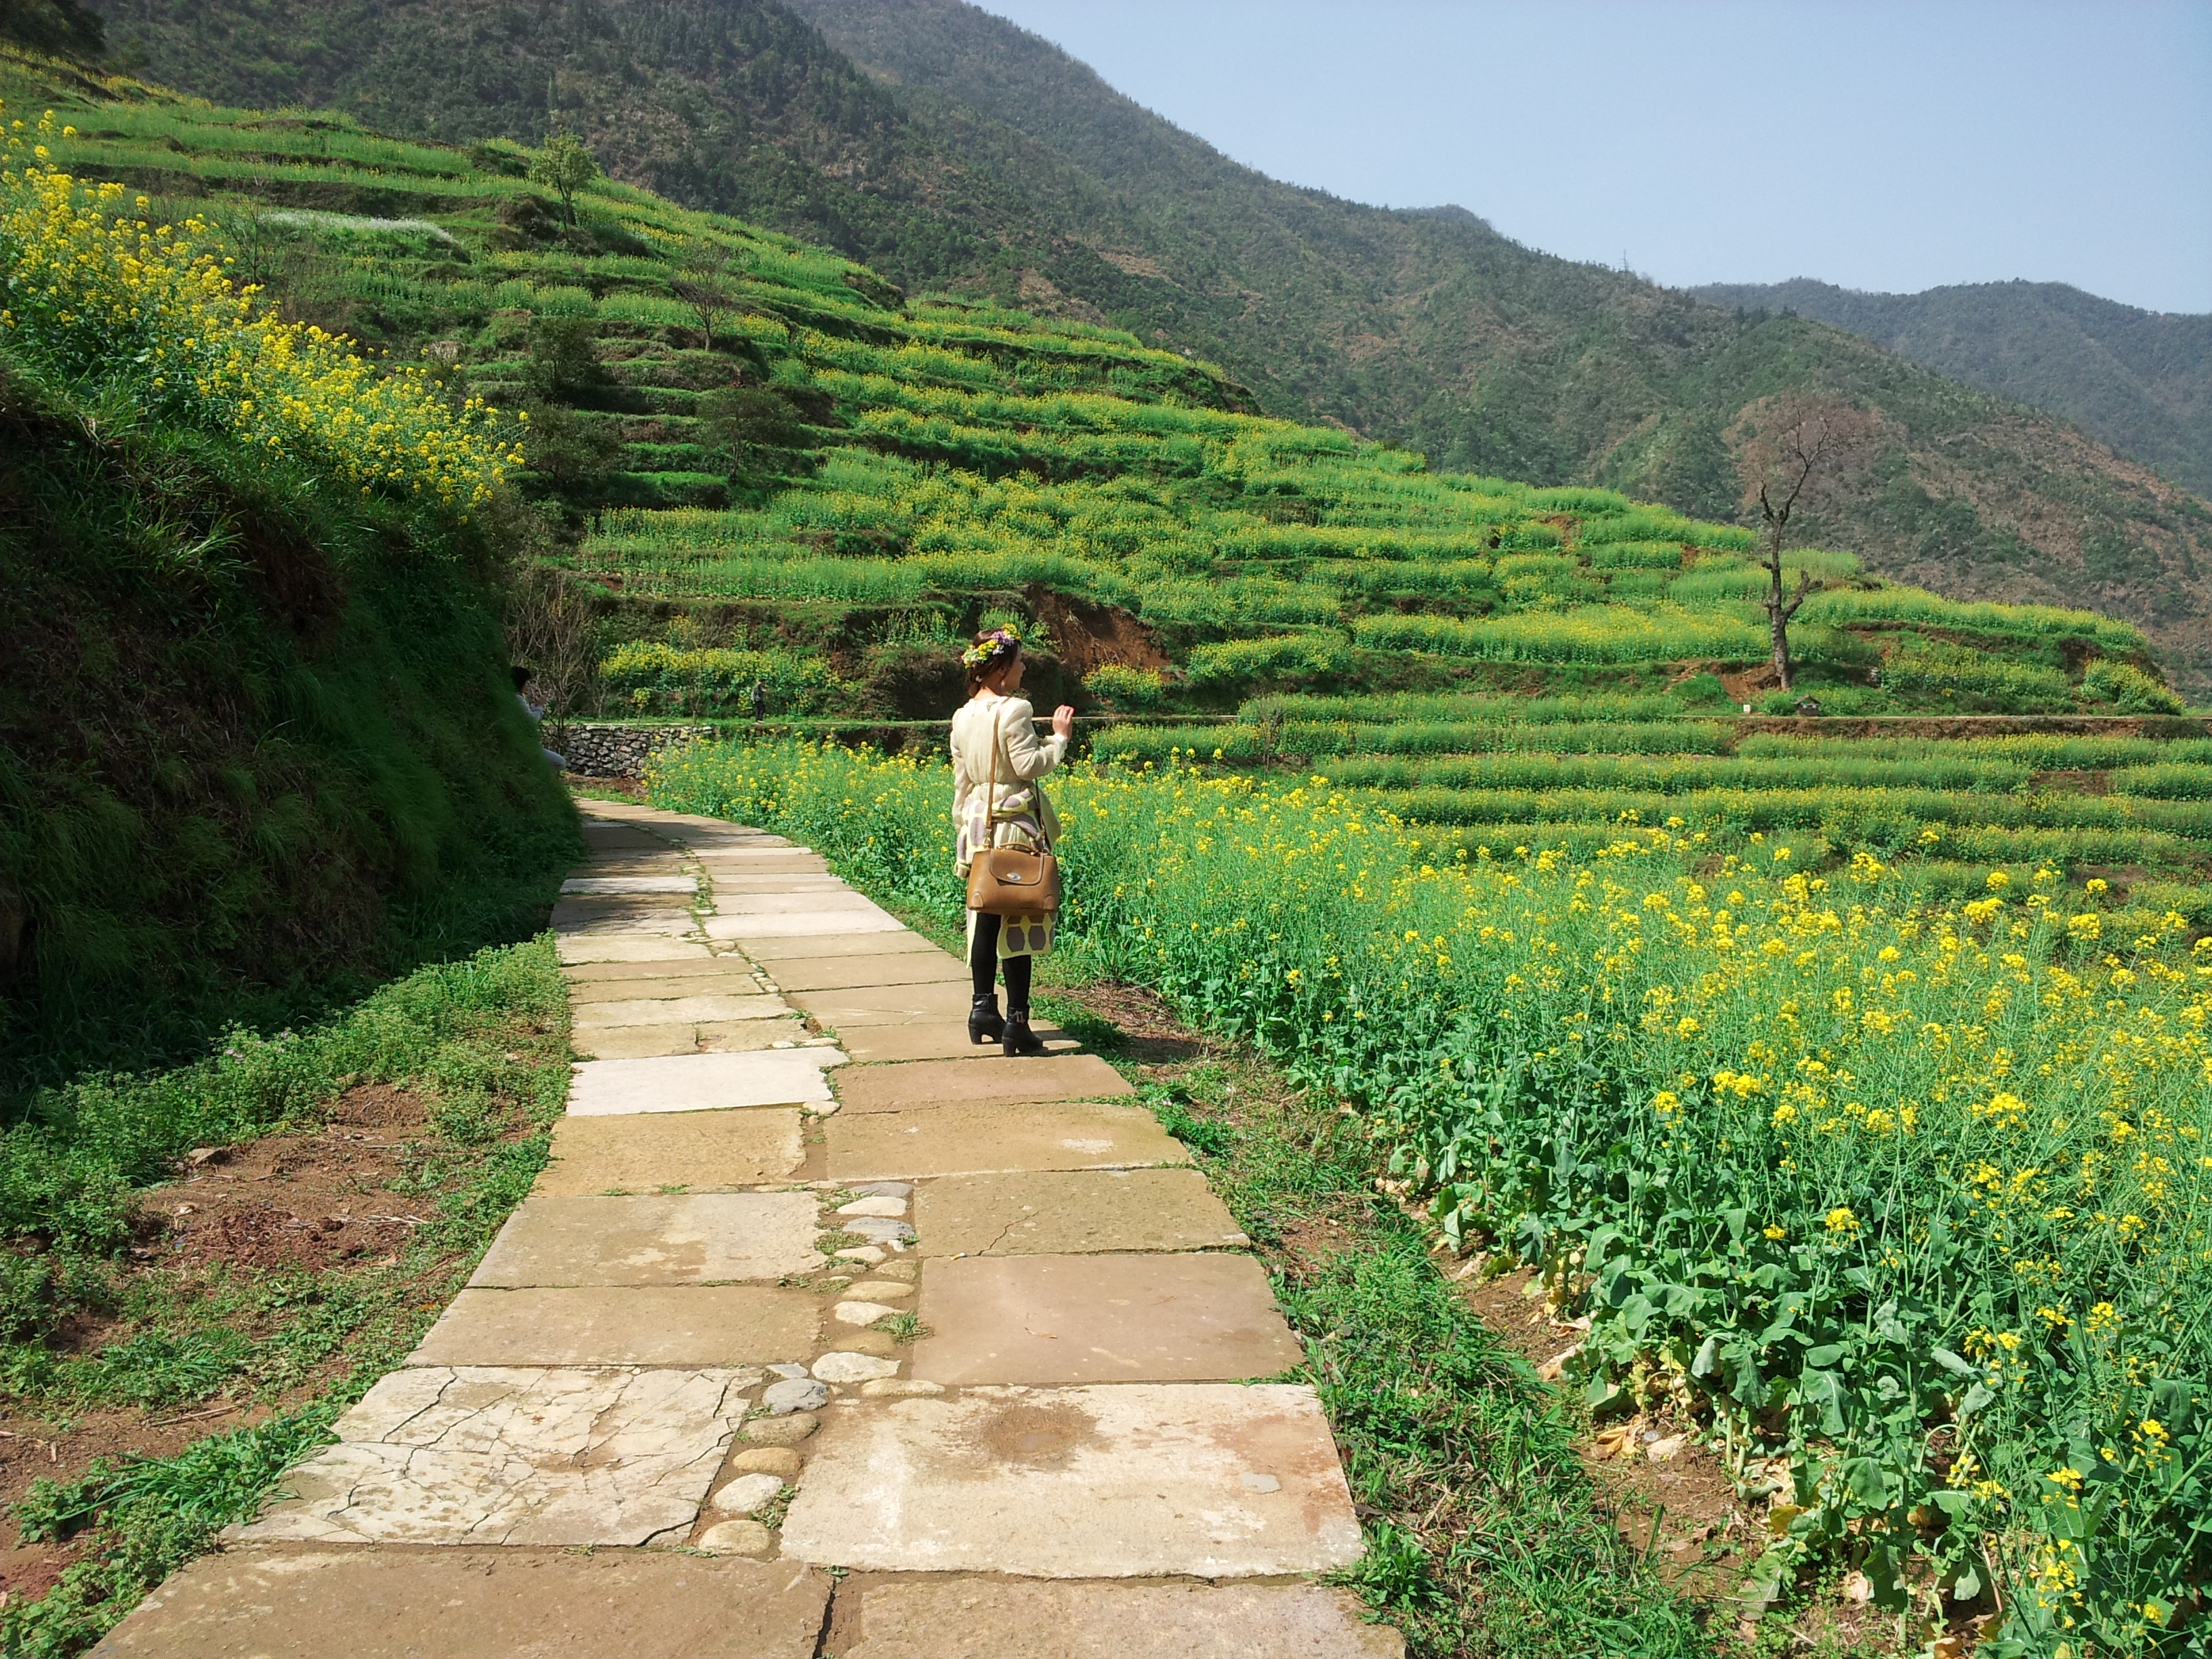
(482, 1041)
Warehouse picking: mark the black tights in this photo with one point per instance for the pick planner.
(983, 960)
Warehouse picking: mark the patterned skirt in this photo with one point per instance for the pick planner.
(1014, 824)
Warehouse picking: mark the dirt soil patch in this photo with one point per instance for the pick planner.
(1085, 637)
(318, 1201)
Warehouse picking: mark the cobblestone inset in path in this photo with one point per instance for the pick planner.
(781, 1154)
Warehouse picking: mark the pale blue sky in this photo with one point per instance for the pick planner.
(1878, 145)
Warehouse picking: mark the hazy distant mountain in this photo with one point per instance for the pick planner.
(2141, 380)
(951, 150)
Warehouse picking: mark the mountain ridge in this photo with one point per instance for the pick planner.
(956, 152)
(2141, 380)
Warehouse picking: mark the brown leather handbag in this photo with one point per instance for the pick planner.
(1010, 881)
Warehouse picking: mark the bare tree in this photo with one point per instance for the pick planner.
(704, 286)
(1808, 448)
(550, 627)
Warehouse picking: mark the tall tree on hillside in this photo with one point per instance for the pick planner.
(1807, 450)
(704, 286)
(563, 166)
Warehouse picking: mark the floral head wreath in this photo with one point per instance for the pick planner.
(998, 642)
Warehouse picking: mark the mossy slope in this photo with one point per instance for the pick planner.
(256, 743)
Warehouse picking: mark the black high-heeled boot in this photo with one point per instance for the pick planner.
(984, 1025)
(1020, 1040)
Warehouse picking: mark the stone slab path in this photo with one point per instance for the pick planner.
(823, 1333)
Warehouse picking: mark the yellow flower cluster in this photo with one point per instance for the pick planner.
(97, 295)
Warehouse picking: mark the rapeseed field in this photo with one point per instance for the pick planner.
(1906, 1194)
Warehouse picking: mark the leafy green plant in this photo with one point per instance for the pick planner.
(1125, 688)
(2127, 689)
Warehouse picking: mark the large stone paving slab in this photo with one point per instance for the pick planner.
(307, 1602)
(953, 1617)
(945, 1039)
(701, 1150)
(505, 1455)
(609, 885)
(964, 1140)
(664, 1010)
(577, 949)
(738, 879)
(1139, 1480)
(696, 962)
(692, 1083)
(731, 980)
(1062, 1214)
(945, 1082)
(859, 973)
(745, 930)
(642, 915)
(879, 943)
(834, 901)
(886, 1004)
(722, 1325)
(696, 1238)
(1047, 1320)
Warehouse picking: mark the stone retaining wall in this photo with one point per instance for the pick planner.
(621, 751)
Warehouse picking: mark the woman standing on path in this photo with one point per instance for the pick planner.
(997, 759)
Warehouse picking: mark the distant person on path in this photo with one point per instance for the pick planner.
(523, 676)
(997, 759)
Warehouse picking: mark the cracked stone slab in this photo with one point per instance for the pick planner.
(690, 1238)
(945, 1039)
(944, 1003)
(959, 1618)
(667, 1011)
(694, 1083)
(1072, 1213)
(1135, 1480)
(746, 929)
(1048, 1319)
(970, 1139)
(311, 1602)
(947, 1082)
(481, 1455)
(712, 1037)
(736, 878)
(837, 945)
(665, 924)
(605, 886)
(697, 963)
(689, 1325)
(835, 901)
(731, 979)
(859, 973)
(696, 1150)
(582, 949)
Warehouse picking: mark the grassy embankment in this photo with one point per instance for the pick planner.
(256, 753)
(1900, 1195)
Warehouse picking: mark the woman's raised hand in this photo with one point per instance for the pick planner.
(1063, 721)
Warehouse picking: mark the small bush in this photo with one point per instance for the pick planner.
(2127, 690)
(1283, 658)
(649, 676)
(1122, 687)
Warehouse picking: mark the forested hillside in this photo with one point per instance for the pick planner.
(950, 150)
(2140, 380)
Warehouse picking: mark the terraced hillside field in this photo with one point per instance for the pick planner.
(773, 466)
